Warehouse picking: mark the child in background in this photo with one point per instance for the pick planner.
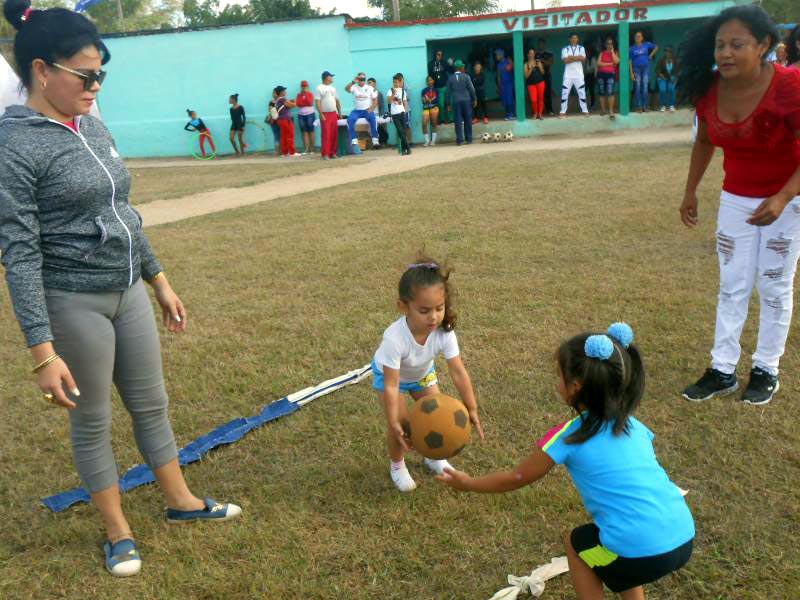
(398, 107)
(479, 83)
(305, 116)
(430, 112)
(642, 529)
(237, 124)
(273, 124)
(196, 124)
(404, 362)
(284, 107)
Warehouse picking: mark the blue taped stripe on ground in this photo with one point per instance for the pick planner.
(228, 433)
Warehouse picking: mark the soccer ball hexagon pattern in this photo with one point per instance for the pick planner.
(498, 136)
(486, 137)
(510, 136)
(439, 426)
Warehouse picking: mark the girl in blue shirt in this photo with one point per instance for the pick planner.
(642, 528)
(642, 54)
(196, 124)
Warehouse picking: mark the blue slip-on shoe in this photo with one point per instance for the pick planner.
(122, 558)
(214, 511)
(355, 149)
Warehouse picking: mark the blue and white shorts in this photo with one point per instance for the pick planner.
(429, 380)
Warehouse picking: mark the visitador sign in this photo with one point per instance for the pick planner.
(576, 19)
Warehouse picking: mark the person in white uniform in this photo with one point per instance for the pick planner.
(573, 55)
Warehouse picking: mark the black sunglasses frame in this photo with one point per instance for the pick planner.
(89, 77)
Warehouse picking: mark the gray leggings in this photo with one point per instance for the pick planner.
(105, 337)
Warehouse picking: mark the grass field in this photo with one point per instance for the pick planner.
(158, 183)
(544, 246)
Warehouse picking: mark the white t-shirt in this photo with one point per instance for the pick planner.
(573, 70)
(399, 94)
(399, 350)
(326, 94)
(363, 96)
(10, 91)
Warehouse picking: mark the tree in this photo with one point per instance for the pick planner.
(280, 10)
(433, 9)
(207, 12)
(137, 15)
(782, 11)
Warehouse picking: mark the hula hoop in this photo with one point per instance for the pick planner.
(194, 142)
(263, 131)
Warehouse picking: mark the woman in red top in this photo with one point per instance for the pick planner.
(751, 109)
(305, 116)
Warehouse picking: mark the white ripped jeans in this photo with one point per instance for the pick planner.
(764, 257)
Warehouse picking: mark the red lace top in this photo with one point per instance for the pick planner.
(761, 152)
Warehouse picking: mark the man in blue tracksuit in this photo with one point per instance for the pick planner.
(461, 94)
(505, 83)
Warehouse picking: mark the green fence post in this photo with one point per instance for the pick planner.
(519, 74)
(624, 68)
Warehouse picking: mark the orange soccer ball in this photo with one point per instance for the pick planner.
(439, 426)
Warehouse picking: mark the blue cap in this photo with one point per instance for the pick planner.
(326, 74)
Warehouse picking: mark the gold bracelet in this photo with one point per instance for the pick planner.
(46, 362)
(159, 274)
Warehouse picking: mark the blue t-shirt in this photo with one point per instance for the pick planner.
(638, 510)
(640, 55)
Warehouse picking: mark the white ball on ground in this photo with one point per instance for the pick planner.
(498, 136)
(486, 137)
(510, 136)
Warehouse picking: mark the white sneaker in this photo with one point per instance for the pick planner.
(671, 109)
(437, 466)
(663, 108)
(402, 479)
(426, 142)
(296, 154)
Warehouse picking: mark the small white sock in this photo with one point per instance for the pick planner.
(401, 477)
(437, 466)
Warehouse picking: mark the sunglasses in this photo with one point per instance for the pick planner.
(89, 77)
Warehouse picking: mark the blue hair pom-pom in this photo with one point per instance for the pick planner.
(622, 332)
(599, 346)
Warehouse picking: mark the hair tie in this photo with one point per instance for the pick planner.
(622, 332)
(599, 346)
(430, 265)
(26, 15)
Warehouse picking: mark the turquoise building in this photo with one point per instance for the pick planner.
(155, 76)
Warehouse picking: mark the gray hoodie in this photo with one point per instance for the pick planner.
(65, 220)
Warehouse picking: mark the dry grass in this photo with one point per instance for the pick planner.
(158, 183)
(545, 246)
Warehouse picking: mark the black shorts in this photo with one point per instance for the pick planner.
(237, 127)
(620, 573)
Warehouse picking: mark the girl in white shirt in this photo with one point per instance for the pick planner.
(404, 362)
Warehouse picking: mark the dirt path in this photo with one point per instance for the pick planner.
(386, 162)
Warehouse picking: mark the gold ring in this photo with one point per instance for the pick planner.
(49, 397)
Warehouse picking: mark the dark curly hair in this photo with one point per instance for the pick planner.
(610, 389)
(426, 272)
(696, 54)
(49, 35)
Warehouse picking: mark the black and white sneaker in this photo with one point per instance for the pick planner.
(713, 383)
(761, 387)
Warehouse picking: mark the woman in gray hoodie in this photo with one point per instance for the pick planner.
(76, 258)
